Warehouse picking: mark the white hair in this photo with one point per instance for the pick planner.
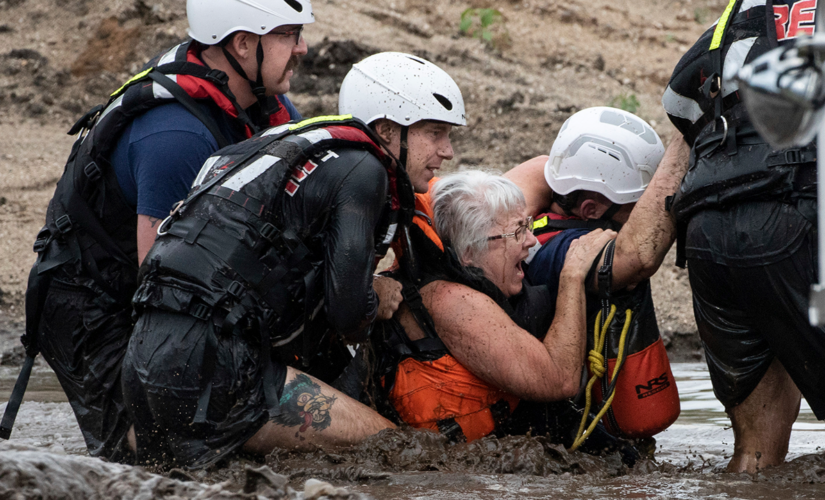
(466, 205)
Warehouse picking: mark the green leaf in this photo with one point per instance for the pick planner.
(466, 22)
(487, 17)
(487, 36)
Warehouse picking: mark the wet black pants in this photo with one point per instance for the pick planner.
(748, 315)
(83, 337)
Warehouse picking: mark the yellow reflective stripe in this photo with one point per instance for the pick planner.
(720, 26)
(132, 80)
(540, 223)
(329, 118)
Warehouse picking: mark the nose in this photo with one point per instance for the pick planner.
(530, 240)
(301, 48)
(446, 151)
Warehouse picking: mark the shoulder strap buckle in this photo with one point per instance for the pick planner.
(64, 224)
(92, 171)
(217, 77)
(200, 311)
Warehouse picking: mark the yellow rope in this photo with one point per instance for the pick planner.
(598, 368)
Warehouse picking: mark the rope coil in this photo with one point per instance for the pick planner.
(598, 368)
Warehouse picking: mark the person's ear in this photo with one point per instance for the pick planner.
(588, 209)
(385, 130)
(243, 45)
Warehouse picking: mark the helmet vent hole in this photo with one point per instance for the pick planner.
(295, 4)
(444, 101)
(419, 61)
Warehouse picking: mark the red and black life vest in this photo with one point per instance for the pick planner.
(90, 231)
(646, 399)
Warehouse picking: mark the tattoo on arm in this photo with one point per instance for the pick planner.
(154, 220)
(302, 403)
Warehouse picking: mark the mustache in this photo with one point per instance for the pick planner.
(293, 63)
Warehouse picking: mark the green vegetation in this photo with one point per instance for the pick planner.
(625, 102)
(486, 25)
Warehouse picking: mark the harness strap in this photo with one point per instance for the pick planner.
(187, 102)
(548, 225)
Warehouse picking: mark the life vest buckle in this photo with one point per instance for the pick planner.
(793, 156)
(200, 311)
(64, 224)
(40, 244)
(92, 171)
(218, 77)
(269, 232)
(235, 289)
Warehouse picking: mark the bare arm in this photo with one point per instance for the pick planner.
(481, 336)
(147, 230)
(648, 234)
(529, 177)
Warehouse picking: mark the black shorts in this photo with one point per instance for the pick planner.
(754, 308)
(83, 337)
(162, 383)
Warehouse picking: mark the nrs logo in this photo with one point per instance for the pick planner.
(795, 19)
(653, 386)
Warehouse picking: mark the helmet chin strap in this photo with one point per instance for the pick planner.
(268, 104)
(608, 214)
(403, 153)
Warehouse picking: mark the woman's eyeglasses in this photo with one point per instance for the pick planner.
(518, 234)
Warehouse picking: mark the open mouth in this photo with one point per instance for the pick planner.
(519, 269)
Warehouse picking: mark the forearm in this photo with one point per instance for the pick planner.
(648, 234)
(147, 228)
(566, 339)
(529, 177)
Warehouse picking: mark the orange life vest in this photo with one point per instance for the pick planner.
(441, 394)
(429, 388)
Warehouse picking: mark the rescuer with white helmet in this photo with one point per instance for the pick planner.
(412, 105)
(138, 156)
(608, 169)
(257, 41)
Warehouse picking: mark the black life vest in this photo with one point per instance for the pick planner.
(729, 161)
(224, 254)
(90, 230)
(419, 382)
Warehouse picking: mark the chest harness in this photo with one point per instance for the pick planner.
(225, 254)
(90, 229)
(729, 161)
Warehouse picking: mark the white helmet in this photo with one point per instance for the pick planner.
(605, 150)
(210, 21)
(400, 87)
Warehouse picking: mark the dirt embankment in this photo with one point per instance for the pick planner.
(547, 60)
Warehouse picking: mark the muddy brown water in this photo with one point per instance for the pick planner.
(409, 464)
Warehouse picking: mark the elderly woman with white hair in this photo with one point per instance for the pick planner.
(472, 339)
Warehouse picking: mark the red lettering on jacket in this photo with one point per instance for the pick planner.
(801, 19)
(780, 12)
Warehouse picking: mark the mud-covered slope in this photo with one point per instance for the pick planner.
(548, 60)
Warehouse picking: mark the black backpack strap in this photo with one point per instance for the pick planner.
(189, 103)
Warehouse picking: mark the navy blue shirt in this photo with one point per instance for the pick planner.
(545, 268)
(159, 154)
